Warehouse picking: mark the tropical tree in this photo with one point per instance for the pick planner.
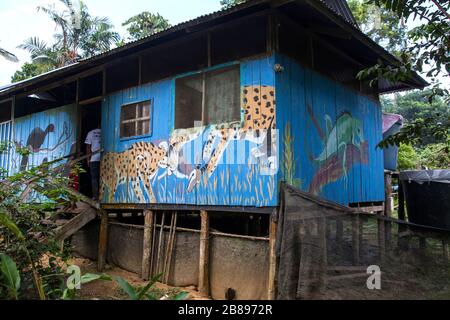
(230, 3)
(416, 106)
(8, 55)
(408, 159)
(381, 25)
(427, 51)
(29, 70)
(145, 24)
(43, 54)
(78, 35)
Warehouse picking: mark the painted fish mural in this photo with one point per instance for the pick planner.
(343, 146)
(142, 163)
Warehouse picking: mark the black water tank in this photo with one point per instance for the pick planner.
(427, 195)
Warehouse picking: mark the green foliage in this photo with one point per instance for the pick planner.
(427, 118)
(30, 70)
(70, 294)
(428, 42)
(90, 35)
(138, 293)
(427, 51)
(23, 236)
(9, 277)
(435, 156)
(230, 3)
(407, 157)
(146, 292)
(380, 24)
(145, 24)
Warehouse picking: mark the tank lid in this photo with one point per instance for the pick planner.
(421, 176)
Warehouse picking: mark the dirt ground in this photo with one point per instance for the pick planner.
(109, 290)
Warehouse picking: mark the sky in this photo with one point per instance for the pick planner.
(19, 20)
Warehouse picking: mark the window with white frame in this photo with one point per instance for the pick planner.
(135, 119)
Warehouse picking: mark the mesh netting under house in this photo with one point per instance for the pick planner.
(324, 251)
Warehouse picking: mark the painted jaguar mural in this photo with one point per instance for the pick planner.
(144, 163)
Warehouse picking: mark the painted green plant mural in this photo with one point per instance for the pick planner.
(289, 160)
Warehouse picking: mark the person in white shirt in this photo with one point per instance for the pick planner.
(93, 144)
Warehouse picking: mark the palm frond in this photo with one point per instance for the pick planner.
(8, 55)
(34, 46)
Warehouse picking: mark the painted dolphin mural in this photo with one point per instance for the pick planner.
(344, 146)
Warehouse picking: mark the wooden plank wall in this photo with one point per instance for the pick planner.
(239, 179)
(306, 102)
(53, 132)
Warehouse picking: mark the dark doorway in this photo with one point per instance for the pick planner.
(90, 120)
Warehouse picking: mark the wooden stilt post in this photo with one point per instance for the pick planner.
(102, 241)
(401, 202)
(147, 244)
(339, 234)
(203, 268)
(272, 257)
(355, 239)
(361, 234)
(403, 243)
(388, 206)
(158, 254)
(322, 234)
(388, 194)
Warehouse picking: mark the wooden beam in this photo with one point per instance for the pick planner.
(160, 239)
(185, 207)
(208, 48)
(322, 235)
(102, 241)
(339, 234)
(104, 81)
(90, 100)
(351, 30)
(75, 224)
(355, 239)
(23, 92)
(147, 244)
(203, 268)
(140, 70)
(388, 202)
(401, 202)
(272, 257)
(315, 37)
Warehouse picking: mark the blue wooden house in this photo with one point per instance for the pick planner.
(214, 113)
(217, 111)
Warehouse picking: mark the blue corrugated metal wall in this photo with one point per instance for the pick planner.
(334, 133)
(244, 182)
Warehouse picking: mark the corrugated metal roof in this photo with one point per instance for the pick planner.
(338, 8)
(341, 8)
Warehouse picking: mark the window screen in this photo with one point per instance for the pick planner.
(135, 119)
(208, 98)
(222, 96)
